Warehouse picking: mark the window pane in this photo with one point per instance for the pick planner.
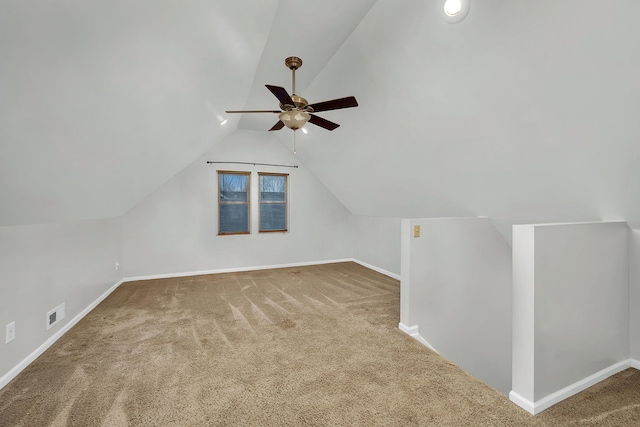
(273, 216)
(272, 188)
(234, 218)
(233, 188)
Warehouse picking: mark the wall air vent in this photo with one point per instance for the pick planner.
(55, 315)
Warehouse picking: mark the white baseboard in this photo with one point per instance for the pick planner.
(525, 404)
(413, 331)
(261, 267)
(6, 378)
(633, 363)
(546, 402)
(379, 270)
(409, 330)
(233, 270)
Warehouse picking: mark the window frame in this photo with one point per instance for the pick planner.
(285, 202)
(247, 202)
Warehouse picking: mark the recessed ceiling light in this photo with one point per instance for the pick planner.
(305, 131)
(454, 11)
(224, 122)
(452, 7)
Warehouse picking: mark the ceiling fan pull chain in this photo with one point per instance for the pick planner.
(294, 142)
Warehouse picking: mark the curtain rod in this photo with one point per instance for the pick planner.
(256, 164)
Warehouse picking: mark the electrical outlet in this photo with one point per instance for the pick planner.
(11, 332)
(117, 265)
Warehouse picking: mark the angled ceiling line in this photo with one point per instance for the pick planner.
(262, 55)
(330, 59)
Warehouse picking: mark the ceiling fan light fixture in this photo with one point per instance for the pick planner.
(294, 119)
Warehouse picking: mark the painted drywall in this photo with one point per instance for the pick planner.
(175, 229)
(581, 302)
(577, 282)
(43, 266)
(376, 241)
(633, 219)
(405, 273)
(523, 314)
(505, 227)
(523, 111)
(460, 294)
(103, 102)
(634, 293)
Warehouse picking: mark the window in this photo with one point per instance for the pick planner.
(233, 202)
(273, 202)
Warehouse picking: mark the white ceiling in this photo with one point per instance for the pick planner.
(523, 111)
(312, 31)
(102, 102)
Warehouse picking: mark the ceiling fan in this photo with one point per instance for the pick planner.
(295, 111)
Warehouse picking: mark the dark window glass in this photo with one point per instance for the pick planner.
(234, 219)
(273, 202)
(273, 217)
(233, 202)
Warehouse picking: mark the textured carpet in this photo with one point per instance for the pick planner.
(314, 346)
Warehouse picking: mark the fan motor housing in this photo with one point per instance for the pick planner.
(300, 104)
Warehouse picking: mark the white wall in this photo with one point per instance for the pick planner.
(523, 317)
(459, 271)
(174, 230)
(571, 304)
(43, 266)
(634, 293)
(376, 241)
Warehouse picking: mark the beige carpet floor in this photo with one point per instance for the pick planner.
(309, 346)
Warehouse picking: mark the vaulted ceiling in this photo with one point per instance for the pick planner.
(102, 102)
(523, 111)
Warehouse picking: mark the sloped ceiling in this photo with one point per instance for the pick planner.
(523, 111)
(101, 102)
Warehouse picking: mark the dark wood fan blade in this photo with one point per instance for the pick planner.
(335, 104)
(323, 123)
(277, 126)
(281, 94)
(254, 111)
